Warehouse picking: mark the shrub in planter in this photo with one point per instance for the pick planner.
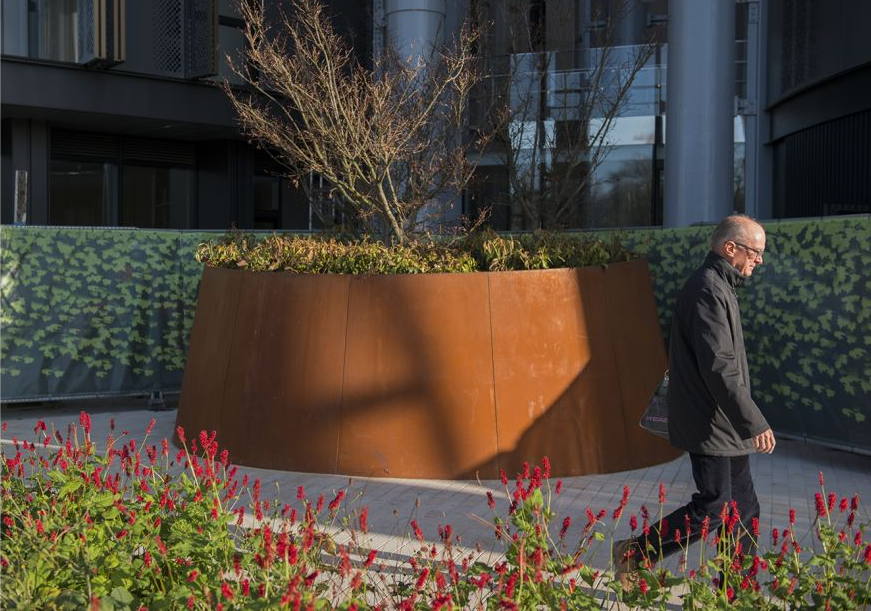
(482, 251)
(135, 527)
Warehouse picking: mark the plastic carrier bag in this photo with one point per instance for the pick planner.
(655, 418)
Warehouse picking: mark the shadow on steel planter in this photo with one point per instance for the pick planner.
(427, 376)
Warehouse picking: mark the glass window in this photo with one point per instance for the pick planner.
(156, 197)
(231, 41)
(267, 202)
(229, 8)
(53, 30)
(82, 193)
(14, 20)
(622, 190)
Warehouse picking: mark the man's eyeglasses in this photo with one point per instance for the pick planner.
(757, 254)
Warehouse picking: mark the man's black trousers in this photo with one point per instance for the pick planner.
(719, 479)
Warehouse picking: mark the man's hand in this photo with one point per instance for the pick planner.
(764, 442)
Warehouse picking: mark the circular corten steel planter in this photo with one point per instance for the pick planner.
(427, 376)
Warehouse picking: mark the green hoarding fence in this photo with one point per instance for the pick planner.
(101, 311)
(90, 311)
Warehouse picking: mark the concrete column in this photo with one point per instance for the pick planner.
(630, 24)
(415, 27)
(700, 103)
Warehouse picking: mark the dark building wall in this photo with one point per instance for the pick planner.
(819, 92)
(824, 170)
(7, 174)
(151, 95)
(811, 41)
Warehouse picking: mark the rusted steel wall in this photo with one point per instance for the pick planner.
(427, 376)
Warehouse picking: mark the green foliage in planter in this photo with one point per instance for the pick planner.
(486, 251)
(543, 250)
(328, 255)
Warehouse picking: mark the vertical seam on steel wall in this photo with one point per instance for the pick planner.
(344, 368)
(493, 373)
(617, 369)
(232, 352)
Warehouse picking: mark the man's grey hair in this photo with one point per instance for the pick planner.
(733, 228)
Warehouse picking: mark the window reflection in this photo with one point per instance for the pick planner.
(53, 30)
(156, 197)
(82, 193)
(267, 199)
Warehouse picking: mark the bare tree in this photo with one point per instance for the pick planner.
(555, 132)
(387, 140)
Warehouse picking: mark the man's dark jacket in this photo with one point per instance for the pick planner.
(710, 408)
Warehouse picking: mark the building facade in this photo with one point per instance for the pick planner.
(111, 114)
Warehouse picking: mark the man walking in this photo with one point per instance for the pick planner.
(711, 413)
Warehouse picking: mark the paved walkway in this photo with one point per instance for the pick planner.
(786, 479)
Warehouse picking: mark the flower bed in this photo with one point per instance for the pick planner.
(140, 527)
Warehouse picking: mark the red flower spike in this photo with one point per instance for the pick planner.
(226, 591)
(85, 422)
(661, 494)
(633, 522)
(821, 505)
(821, 478)
(417, 532)
(370, 558)
(559, 486)
(334, 504)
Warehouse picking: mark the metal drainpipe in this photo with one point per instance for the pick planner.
(700, 106)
